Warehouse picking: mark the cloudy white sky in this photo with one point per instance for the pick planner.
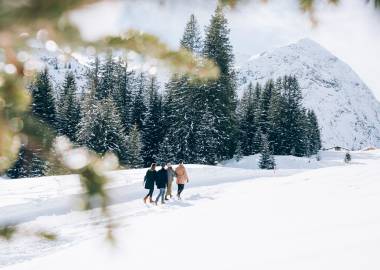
(351, 30)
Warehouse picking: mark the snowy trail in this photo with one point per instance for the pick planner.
(127, 188)
(57, 210)
(325, 218)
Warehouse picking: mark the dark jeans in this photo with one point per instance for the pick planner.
(150, 194)
(161, 195)
(180, 189)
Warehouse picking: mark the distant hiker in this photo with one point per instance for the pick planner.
(182, 178)
(171, 175)
(149, 179)
(161, 183)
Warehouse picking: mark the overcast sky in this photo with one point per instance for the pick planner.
(351, 30)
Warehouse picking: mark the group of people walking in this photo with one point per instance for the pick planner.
(163, 179)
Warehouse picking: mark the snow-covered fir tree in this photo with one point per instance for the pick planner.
(107, 78)
(134, 147)
(101, 129)
(138, 104)
(266, 160)
(93, 77)
(239, 152)
(264, 109)
(192, 39)
(276, 119)
(314, 133)
(43, 102)
(152, 130)
(123, 92)
(292, 117)
(184, 101)
(247, 115)
(221, 93)
(207, 146)
(28, 164)
(165, 153)
(68, 111)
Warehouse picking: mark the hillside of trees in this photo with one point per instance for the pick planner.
(199, 121)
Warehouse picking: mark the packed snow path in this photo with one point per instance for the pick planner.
(325, 218)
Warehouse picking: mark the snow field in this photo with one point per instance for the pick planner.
(324, 218)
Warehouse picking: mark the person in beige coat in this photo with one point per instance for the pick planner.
(171, 175)
(182, 178)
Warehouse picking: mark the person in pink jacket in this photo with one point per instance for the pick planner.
(182, 178)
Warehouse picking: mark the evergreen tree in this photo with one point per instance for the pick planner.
(107, 78)
(191, 39)
(43, 108)
(314, 132)
(138, 105)
(248, 112)
(293, 137)
(28, 164)
(100, 128)
(276, 119)
(239, 152)
(122, 93)
(185, 102)
(165, 153)
(266, 160)
(93, 77)
(134, 147)
(207, 144)
(265, 103)
(43, 103)
(221, 93)
(151, 131)
(257, 141)
(68, 109)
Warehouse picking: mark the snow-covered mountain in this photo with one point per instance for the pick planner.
(59, 64)
(348, 113)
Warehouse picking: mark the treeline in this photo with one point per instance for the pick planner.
(124, 111)
(274, 110)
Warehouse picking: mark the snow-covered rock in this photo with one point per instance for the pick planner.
(348, 113)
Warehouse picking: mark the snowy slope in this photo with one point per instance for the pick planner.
(348, 113)
(325, 218)
(59, 64)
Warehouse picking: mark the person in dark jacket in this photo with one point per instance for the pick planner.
(161, 183)
(149, 180)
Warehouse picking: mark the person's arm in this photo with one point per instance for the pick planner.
(145, 177)
(187, 177)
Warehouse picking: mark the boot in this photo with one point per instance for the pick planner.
(166, 198)
(150, 199)
(145, 198)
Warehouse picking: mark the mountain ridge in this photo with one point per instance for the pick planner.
(348, 112)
